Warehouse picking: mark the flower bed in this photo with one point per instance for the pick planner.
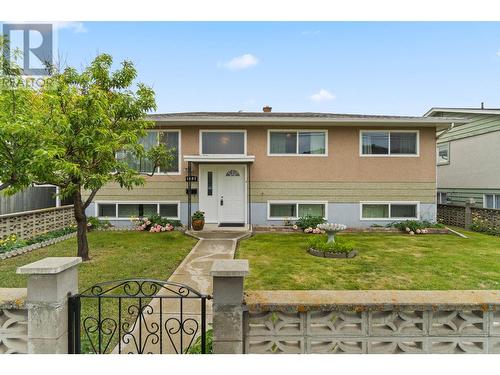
(156, 224)
(23, 249)
(327, 248)
(394, 230)
(289, 229)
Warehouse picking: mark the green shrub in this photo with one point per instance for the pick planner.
(339, 246)
(309, 221)
(95, 223)
(414, 225)
(196, 347)
(50, 235)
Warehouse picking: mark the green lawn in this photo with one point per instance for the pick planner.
(114, 256)
(385, 261)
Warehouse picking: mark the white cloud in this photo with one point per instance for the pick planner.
(76, 27)
(240, 62)
(498, 53)
(322, 96)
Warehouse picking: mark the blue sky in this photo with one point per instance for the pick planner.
(344, 67)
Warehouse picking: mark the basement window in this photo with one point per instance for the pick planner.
(389, 210)
(134, 210)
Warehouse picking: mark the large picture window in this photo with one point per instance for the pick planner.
(389, 143)
(169, 138)
(223, 142)
(282, 210)
(389, 210)
(297, 142)
(128, 210)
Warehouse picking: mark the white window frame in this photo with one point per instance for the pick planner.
(389, 203)
(389, 155)
(298, 131)
(440, 197)
(116, 203)
(200, 142)
(447, 145)
(296, 203)
(494, 201)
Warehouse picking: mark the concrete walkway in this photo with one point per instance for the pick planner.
(194, 271)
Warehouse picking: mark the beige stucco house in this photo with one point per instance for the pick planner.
(266, 168)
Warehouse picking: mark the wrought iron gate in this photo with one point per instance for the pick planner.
(137, 316)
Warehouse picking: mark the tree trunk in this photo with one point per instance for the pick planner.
(81, 224)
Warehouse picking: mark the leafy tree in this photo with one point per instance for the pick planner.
(20, 127)
(88, 118)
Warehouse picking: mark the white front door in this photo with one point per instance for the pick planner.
(222, 193)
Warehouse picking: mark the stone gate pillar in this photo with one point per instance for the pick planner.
(228, 277)
(50, 281)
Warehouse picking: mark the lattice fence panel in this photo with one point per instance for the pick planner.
(33, 223)
(13, 331)
(451, 215)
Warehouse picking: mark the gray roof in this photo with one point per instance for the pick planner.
(440, 110)
(206, 117)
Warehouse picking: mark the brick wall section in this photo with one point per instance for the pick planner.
(455, 215)
(32, 223)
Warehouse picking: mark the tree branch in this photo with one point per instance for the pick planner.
(155, 167)
(90, 198)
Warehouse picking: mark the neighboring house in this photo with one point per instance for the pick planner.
(468, 161)
(266, 168)
(32, 198)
